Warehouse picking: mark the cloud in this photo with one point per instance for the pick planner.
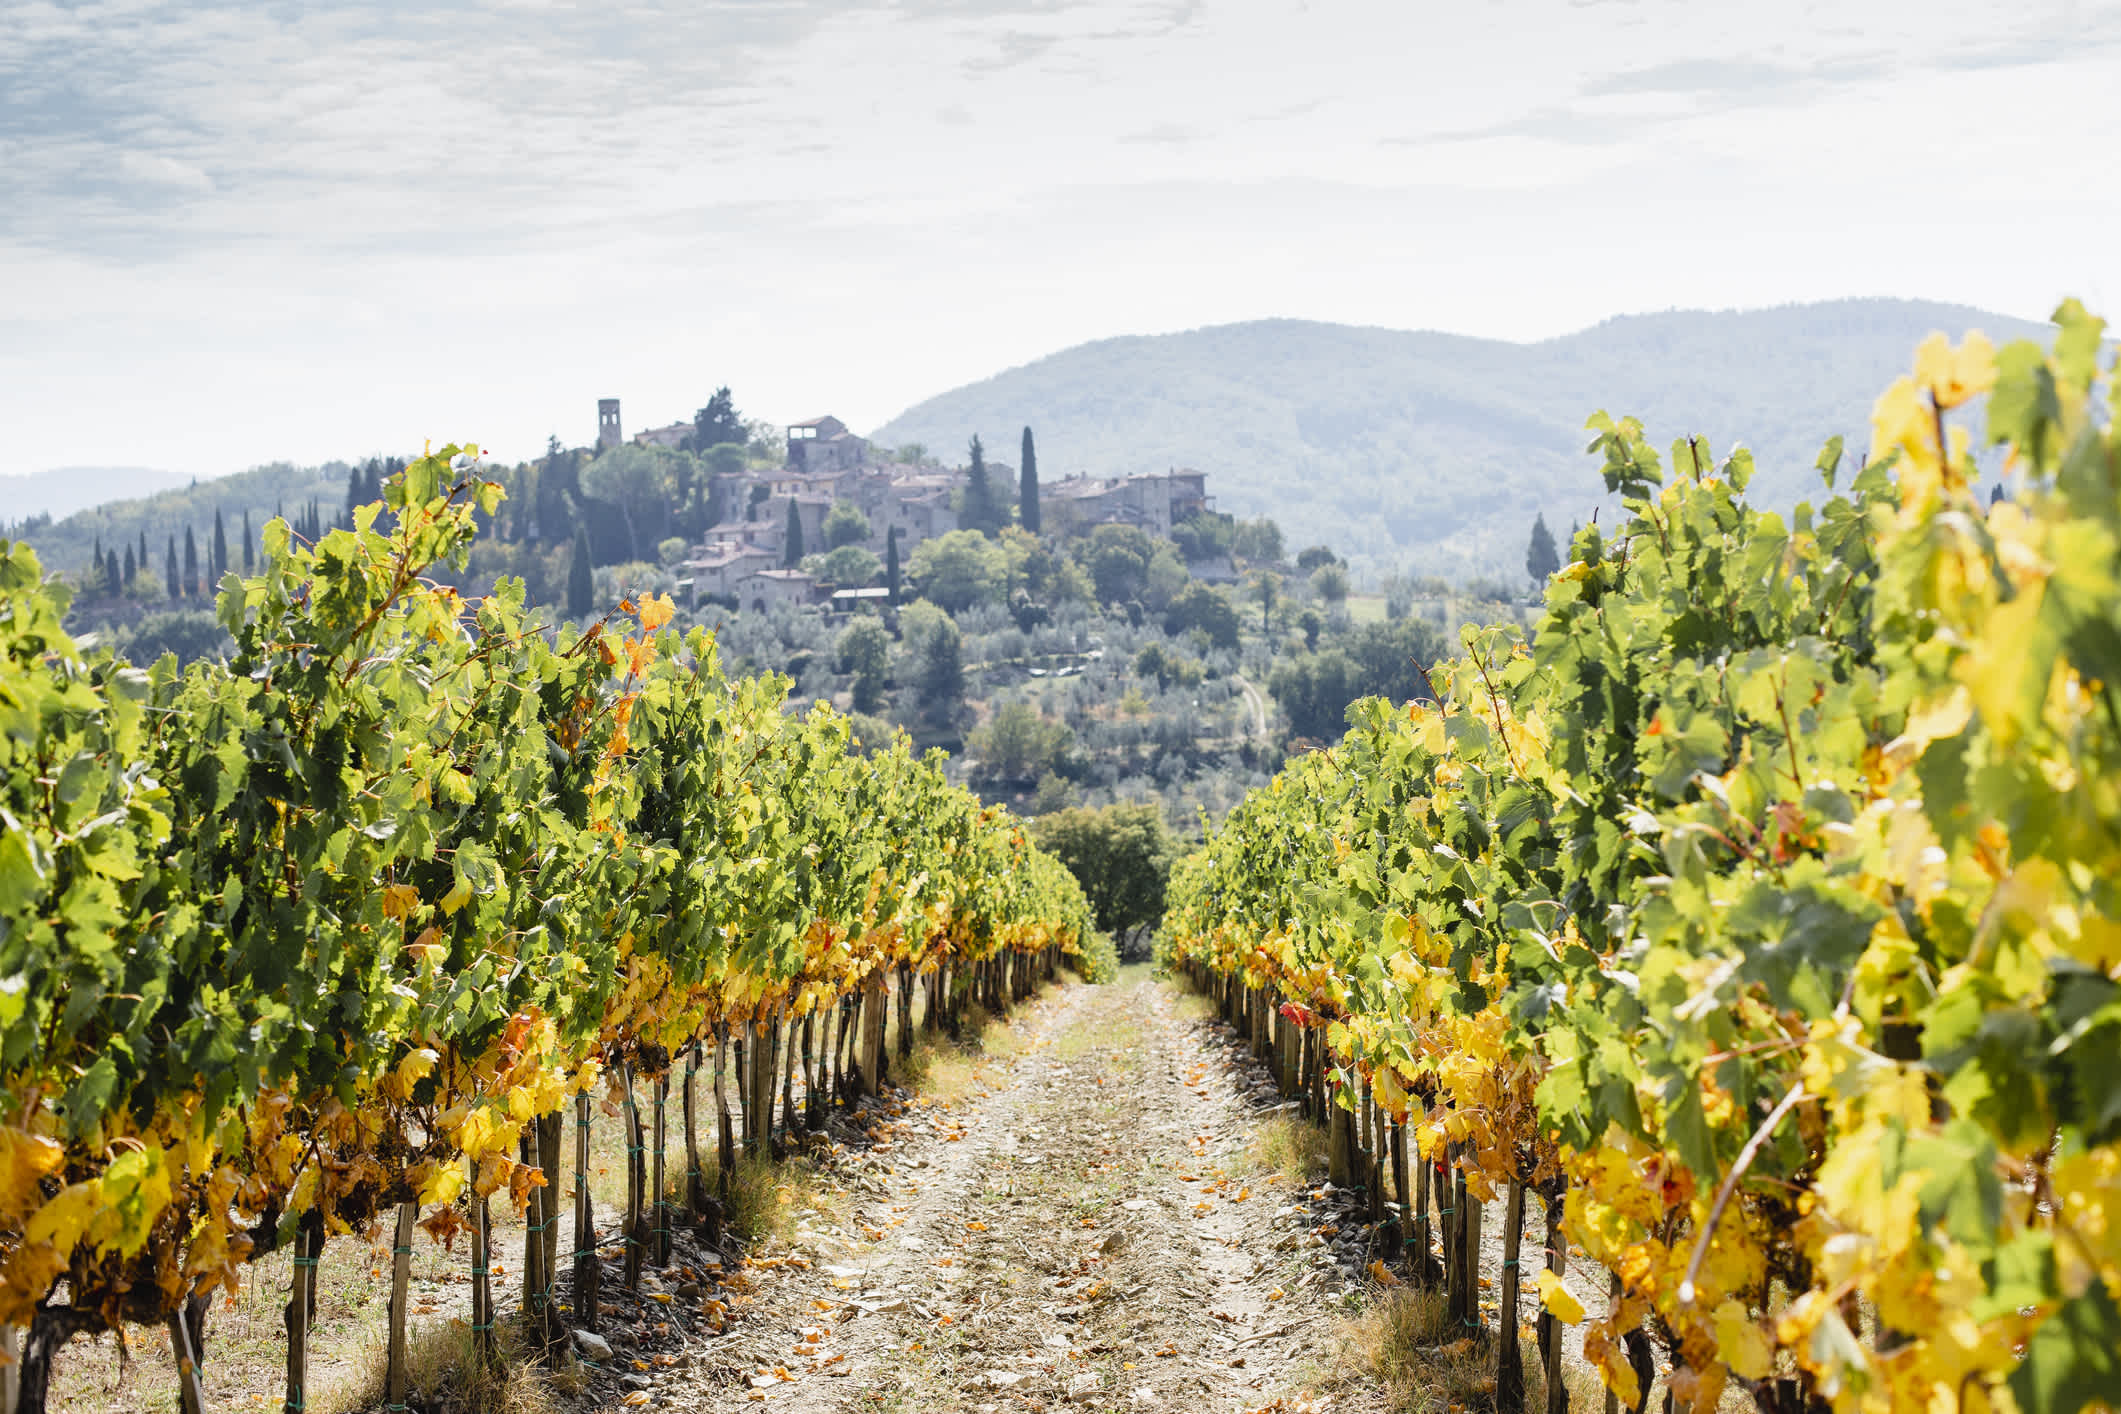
(159, 170)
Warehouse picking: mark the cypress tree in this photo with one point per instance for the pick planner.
(979, 493)
(1027, 487)
(792, 543)
(220, 546)
(191, 565)
(1541, 559)
(171, 585)
(248, 555)
(111, 573)
(581, 583)
(891, 563)
(131, 567)
(95, 560)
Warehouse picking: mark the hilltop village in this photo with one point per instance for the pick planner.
(744, 560)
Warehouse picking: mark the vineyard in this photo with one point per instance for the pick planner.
(1760, 916)
(1754, 922)
(339, 931)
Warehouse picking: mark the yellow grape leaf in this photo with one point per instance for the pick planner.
(65, 1219)
(1954, 375)
(459, 894)
(656, 611)
(442, 1186)
(1559, 1301)
(24, 1159)
(25, 1278)
(399, 900)
(1740, 1343)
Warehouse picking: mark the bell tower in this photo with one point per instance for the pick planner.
(608, 434)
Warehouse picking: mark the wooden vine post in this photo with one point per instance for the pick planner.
(725, 1131)
(481, 1269)
(547, 1197)
(695, 1181)
(786, 1032)
(905, 985)
(1340, 1142)
(397, 1375)
(662, 1202)
(191, 1395)
(587, 1270)
(809, 1068)
(1509, 1362)
(1550, 1329)
(302, 1308)
(630, 1117)
(872, 1033)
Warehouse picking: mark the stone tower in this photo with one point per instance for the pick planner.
(608, 434)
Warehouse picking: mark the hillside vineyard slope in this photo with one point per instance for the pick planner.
(1436, 450)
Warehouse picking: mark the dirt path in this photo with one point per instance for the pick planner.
(1081, 1232)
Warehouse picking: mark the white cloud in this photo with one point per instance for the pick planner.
(321, 230)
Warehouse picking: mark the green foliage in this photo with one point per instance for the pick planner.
(190, 634)
(1117, 558)
(1204, 608)
(1018, 744)
(1315, 558)
(1768, 897)
(1205, 536)
(1315, 689)
(850, 567)
(1257, 541)
(845, 525)
(321, 928)
(961, 568)
(1122, 856)
(718, 424)
(1330, 583)
(864, 650)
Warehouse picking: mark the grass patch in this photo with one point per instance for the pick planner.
(445, 1375)
(1406, 1346)
(1399, 1344)
(1289, 1145)
(946, 1071)
(767, 1200)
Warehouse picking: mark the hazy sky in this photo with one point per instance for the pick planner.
(237, 233)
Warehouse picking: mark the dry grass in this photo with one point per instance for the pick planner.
(1289, 1145)
(445, 1374)
(945, 1071)
(1406, 1346)
(767, 1200)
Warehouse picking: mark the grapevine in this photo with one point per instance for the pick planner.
(1764, 901)
(342, 925)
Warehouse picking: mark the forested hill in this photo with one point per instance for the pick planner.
(1438, 449)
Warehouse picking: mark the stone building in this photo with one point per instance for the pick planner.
(672, 436)
(1154, 501)
(824, 444)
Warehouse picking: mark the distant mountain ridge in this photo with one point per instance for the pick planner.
(63, 490)
(1436, 450)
